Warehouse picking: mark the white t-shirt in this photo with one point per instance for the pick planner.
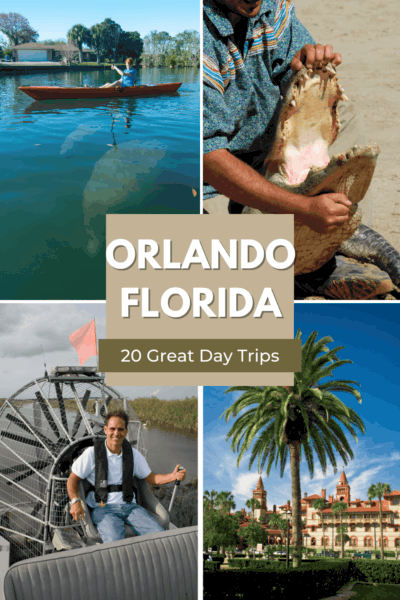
(83, 467)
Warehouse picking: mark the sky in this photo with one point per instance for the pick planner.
(370, 334)
(32, 334)
(52, 20)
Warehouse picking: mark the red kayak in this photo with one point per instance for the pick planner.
(51, 92)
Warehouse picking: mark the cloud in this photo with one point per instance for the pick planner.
(27, 328)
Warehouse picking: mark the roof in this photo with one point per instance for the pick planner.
(313, 497)
(343, 478)
(260, 484)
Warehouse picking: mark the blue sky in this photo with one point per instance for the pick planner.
(53, 19)
(371, 336)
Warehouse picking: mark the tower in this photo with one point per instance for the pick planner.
(261, 495)
(343, 489)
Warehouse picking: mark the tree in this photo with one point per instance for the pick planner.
(219, 526)
(111, 32)
(69, 52)
(301, 420)
(254, 534)
(79, 35)
(130, 45)
(378, 490)
(252, 504)
(319, 505)
(339, 508)
(275, 521)
(97, 40)
(17, 29)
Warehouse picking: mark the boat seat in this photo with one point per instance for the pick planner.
(156, 566)
(144, 498)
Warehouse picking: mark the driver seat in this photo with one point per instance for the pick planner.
(144, 498)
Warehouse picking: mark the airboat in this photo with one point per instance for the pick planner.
(44, 427)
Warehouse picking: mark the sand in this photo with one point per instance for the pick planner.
(366, 33)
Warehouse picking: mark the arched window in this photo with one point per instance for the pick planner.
(353, 542)
(397, 543)
(326, 542)
(313, 542)
(368, 542)
(385, 542)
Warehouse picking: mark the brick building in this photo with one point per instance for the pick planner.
(361, 518)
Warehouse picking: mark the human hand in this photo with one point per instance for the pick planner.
(311, 56)
(76, 511)
(326, 212)
(179, 475)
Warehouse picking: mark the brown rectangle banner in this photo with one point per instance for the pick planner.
(200, 284)
(200, 356)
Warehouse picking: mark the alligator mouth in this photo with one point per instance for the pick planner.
(307, 126)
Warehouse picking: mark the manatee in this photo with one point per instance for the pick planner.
(307, 125)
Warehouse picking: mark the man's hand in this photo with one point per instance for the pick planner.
(179, 475)
(76, 511)
(326, 212)
(311, 56)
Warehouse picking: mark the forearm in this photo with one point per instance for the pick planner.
(240, 182)
(72, 488)
(118, 71)
(158, 479)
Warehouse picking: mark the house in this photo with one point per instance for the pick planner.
(35, 52)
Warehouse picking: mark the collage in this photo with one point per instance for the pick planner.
(193, 405)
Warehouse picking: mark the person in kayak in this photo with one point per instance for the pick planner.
(109, 466)
(128, 77)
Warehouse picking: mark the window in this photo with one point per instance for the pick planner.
(368, 528)
(352, 516)
(313, 528)
(352, 527)
(397, 543)
(368, 542)
(313, 542)
(353, 542)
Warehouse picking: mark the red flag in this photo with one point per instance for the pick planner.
(84, 341)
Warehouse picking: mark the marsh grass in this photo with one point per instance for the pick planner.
(181, 414)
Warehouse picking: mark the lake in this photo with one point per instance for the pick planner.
(66, 164)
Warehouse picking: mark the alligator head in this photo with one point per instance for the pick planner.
(307, 125)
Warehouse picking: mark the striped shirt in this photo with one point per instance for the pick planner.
(242, 89)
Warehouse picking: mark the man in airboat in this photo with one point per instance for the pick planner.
(109, 467)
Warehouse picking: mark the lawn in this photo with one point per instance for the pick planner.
(376, 592)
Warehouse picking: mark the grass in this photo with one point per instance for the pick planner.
(376, 592)
(181, 414)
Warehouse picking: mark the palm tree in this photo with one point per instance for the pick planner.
(96, 40)
(340, 508)
(252, 504)
(277, 522)
(79, 35)
(209, 499)
(319, 505)
(224, 501)
(378, 490)
(303, 419)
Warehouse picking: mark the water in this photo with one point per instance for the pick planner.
(166, 449)
(65, 164)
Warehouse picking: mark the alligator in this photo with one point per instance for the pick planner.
(308, 123)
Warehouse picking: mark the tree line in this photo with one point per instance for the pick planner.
(110, 42)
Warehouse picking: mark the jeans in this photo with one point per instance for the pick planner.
(110, 521)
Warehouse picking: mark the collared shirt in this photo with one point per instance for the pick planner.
(242, 89)
(83, 467)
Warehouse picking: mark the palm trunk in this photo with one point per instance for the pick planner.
(323, 532)
(341, 537)
(381, 527)
(296, 501)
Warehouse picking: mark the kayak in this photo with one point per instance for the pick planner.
(52, 92)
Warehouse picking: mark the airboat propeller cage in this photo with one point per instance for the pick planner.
(44, 427)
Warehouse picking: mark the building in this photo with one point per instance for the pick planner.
(361, 519)
(33, 52)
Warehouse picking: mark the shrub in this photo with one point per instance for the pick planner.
(211, 566)
(376, 571)
(316, 580)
